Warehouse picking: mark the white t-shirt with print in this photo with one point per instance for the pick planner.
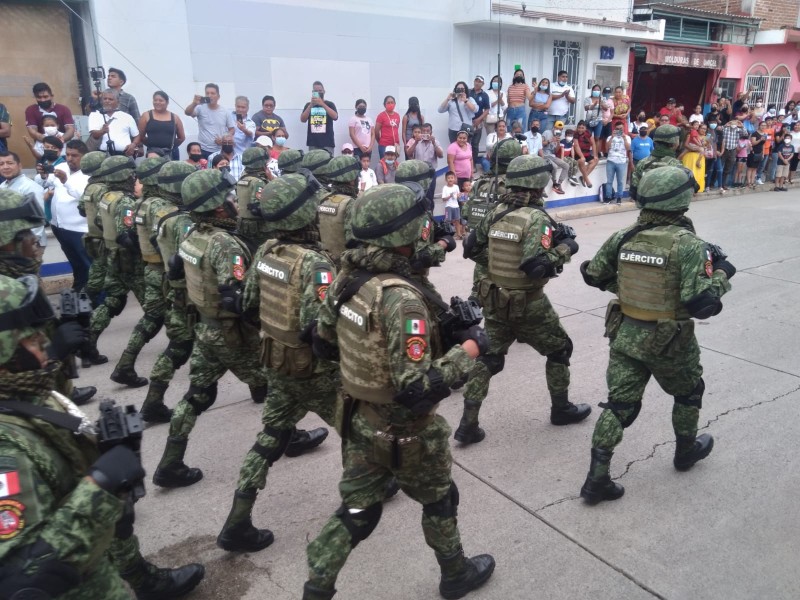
(450, 196)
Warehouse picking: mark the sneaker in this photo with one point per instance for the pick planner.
(619, 201)
(557, 189)
(776, 189)
(759, 182)
(573, 181)
(783, 189)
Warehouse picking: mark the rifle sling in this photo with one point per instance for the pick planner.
(48, 415)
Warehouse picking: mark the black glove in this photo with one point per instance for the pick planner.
(450, 240)
(117, 470)
(82, 211)
(477, 334)
(469, 243)
(128, 239)
(571, 244)
(68, 339)
(726, 267)
(321, 348)
(176, 270)
(124, 527)
(537, 267)
(231, 298)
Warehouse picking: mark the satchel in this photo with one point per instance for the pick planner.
(595, 120)
(464, 126)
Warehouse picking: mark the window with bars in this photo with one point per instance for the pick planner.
(769, 88)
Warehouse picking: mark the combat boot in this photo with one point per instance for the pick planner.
(598, 485)
(311, 592)
(302, 441)
(564, 412)
(238, 534)
(259, 394)
(81, 395)
(469, 431)
(125, 374)
(151, 583)
(461, 575)
(153, 409)
(690, 449)
(171, 471)
(90, 355)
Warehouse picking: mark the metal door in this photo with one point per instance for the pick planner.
(567, 57)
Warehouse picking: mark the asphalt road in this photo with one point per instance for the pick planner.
(727, 529)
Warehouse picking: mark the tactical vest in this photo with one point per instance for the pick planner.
(201, 279)
(146, 220)
(506, 239)
(649, 275)
(485, 194)
(90, 200)
(244, 195)
(281, 291)
(171, 232)
(333, 228)
(364, 360)
(107, 208)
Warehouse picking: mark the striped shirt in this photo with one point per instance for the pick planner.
(517, 94)
(730, 136)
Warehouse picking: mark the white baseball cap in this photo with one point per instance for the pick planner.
(391, 149)
(264, 140)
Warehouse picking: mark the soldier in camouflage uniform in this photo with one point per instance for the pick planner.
(315, 160)
(340, 177)
(61, 505)
(289, 161)
(666, 141)
(215, 262)
(93, 240)
(663, 276)
(20, 254)
(285, 287)
(168, 223)
(248, 193)
(394, 369)
(521, 247)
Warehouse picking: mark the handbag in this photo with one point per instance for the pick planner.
(595, 121)
(464, 126)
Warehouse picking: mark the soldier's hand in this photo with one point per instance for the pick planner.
(68, 338)
(231, 298)
(726, 267)
(571, 244)
(477, 334)
(117, 470)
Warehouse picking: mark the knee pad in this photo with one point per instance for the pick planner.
(695, 398)
(493, 362)
(116, 304)
(362, 523)
(194, 391)
(562, 356)
(150, 326)
(178, 353)
(619, 407)
(283, 436)
(446, 507)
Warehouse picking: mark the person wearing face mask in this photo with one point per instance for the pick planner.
(641, 146)
(34, 114)
(540, 102)
(519, 95)
(562, 96)
(362, 130)
(411, 119)
(50, 126)
(594, 118)
(45, 170)
(460, 109)
(619, 152)
(497, 104)
(279, 139)
(387, 167)
(481, 100)
(234, 159)
(713, 156)
(387, 126)
(195, 156)
(641, 121)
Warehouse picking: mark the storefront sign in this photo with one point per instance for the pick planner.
(682, 57)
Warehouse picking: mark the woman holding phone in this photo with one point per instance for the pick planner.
(460, 110)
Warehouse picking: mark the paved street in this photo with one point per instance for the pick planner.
(727, 529)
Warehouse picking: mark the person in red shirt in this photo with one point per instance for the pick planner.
(45, 106)
(669, 110)
(387, 126)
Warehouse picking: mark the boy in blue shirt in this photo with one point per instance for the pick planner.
(641, 146)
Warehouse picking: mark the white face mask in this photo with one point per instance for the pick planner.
(51, 130)
(569, 138)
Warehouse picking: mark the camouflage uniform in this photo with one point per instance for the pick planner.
(214, 259)
(93, 240)
(666, 141)
(289, 161)
(288, 281)
(394, 371)
(663, 275)
(519, 245)
(339, 176)
(168, 224)
(248, 193)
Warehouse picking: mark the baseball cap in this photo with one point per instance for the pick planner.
(479, 78)
(671, 101)
(391, 149)
(264, 140)
(347, 146)
(558, 125)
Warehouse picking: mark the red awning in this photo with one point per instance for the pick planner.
(685, 57)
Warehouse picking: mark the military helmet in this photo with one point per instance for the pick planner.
(23, 309)
(415, 170)
(506, 151)
(172, 174)
(527, 171)
(316, 159)
(666, 189)
(342, 169)
(203, 191)
(392, 215)
(255, 158)
(289, 203)
(289, 161)
(91, 161)
(117, 169)
(148, 169)
(18, 213)
(667, 134)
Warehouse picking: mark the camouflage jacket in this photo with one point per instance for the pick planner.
(659, 158)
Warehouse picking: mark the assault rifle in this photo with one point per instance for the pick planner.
(75, 306)
(717, 253)
(460, 315)
(121, 425)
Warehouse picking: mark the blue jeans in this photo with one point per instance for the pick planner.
(72, 245)
(620, 170)
(550, 122)
(485, 164)
(713, 172)
(773, 165)
(538, 114)
(518, 113)
(762, 165)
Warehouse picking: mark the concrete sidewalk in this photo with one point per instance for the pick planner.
(726, 530)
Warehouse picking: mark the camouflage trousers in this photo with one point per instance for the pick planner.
(535, 324)
(425, 479)
(97, 276)
(103, 582)
(154, 307)
(636, 354)
(117, 285)
(180, 332)
(217, 350)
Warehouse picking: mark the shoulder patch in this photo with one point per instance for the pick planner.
(426, 230)
(323, 277)
(9, 484)
(12, 519)
(238, 266)
(354, 316)
(547, 236)
(416, 330)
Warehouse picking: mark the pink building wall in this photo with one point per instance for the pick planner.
(741, 59)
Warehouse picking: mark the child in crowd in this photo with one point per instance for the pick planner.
(366, 177)
(50, 126)
(743, 149)
(452, 213)
(466, 190)
(566, 153)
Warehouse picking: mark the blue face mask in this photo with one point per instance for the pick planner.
(389, 161)
(713, 125)
(495, 85)
(280, 140)
(595, 93)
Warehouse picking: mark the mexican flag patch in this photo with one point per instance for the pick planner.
(547, 236)
(237, 260)
(416, 327)
(9, 484)
(323, 277)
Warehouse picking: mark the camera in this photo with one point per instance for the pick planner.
(426, 136)
(47, 167)
(97, 73)
(240, 118)
(205, 100)
(315, 94)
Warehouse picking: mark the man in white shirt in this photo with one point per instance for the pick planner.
(563, 95)
(245, 132)
(67, 223)
(115, 129)
(15, 180)
(534, 139)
